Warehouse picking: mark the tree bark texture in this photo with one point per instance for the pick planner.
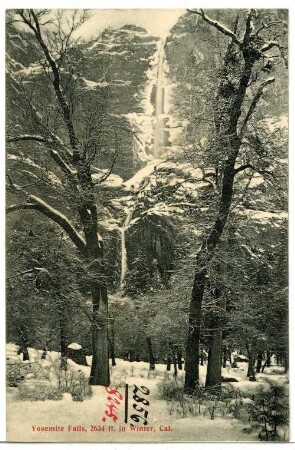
(213, 377)
(151, 354)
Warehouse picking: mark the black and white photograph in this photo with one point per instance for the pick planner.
(147, 225)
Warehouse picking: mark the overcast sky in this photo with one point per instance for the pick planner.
(155, 21)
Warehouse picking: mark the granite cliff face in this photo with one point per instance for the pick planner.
(109, 82)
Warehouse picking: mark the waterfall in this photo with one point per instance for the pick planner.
(123, 258)
(123, 248)
(160, 141)
(159, 110)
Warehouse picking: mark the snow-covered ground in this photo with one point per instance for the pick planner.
(82, 421)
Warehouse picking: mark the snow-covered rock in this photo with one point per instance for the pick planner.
(75, 346)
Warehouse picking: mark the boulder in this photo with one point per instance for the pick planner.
(77, 354)
(241, 358)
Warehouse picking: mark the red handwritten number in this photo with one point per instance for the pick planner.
(113, 402)
(114, 392)
(111, 413)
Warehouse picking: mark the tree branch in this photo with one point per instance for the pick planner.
(249, 27)
(53, 153)
(219, 26)
(35, 27)
(33, 270)
(54, 180)
(250, 166)
(53, 214)
(63, 162)
(269, 45)
(254, 102)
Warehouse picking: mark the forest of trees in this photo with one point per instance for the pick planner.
(200, 236)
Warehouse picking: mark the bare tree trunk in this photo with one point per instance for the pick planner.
(112, 341)
(202, 358)
(179, 360)
(194, 331)
(259, 362)
(63, 334)
(251, 365)
(268, 358)
(229, 355)
(224, 357)
(99, 374)
(151, 355)
(24, 342)
(24, 350)
(286, 361)
(175, 367)
(213, 377)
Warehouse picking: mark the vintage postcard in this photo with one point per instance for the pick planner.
(146, 225)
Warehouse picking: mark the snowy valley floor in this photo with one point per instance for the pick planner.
(23, 416)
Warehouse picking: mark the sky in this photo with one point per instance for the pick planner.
(156, 21)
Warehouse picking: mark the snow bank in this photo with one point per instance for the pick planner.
(91, 411)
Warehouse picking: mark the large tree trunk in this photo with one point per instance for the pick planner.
(213, 377)
(194, 331)
(99, 374)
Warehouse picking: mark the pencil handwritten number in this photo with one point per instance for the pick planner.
(139, 399)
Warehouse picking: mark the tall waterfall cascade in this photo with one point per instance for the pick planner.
(123, 248)
(161, 137)
(161, 134)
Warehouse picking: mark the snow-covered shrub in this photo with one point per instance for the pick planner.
(14, 376)
(235, 408)
(72, 381)
(171, 390)
(182, 407)
(18, 371)
(38, 390)
(270, 410)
